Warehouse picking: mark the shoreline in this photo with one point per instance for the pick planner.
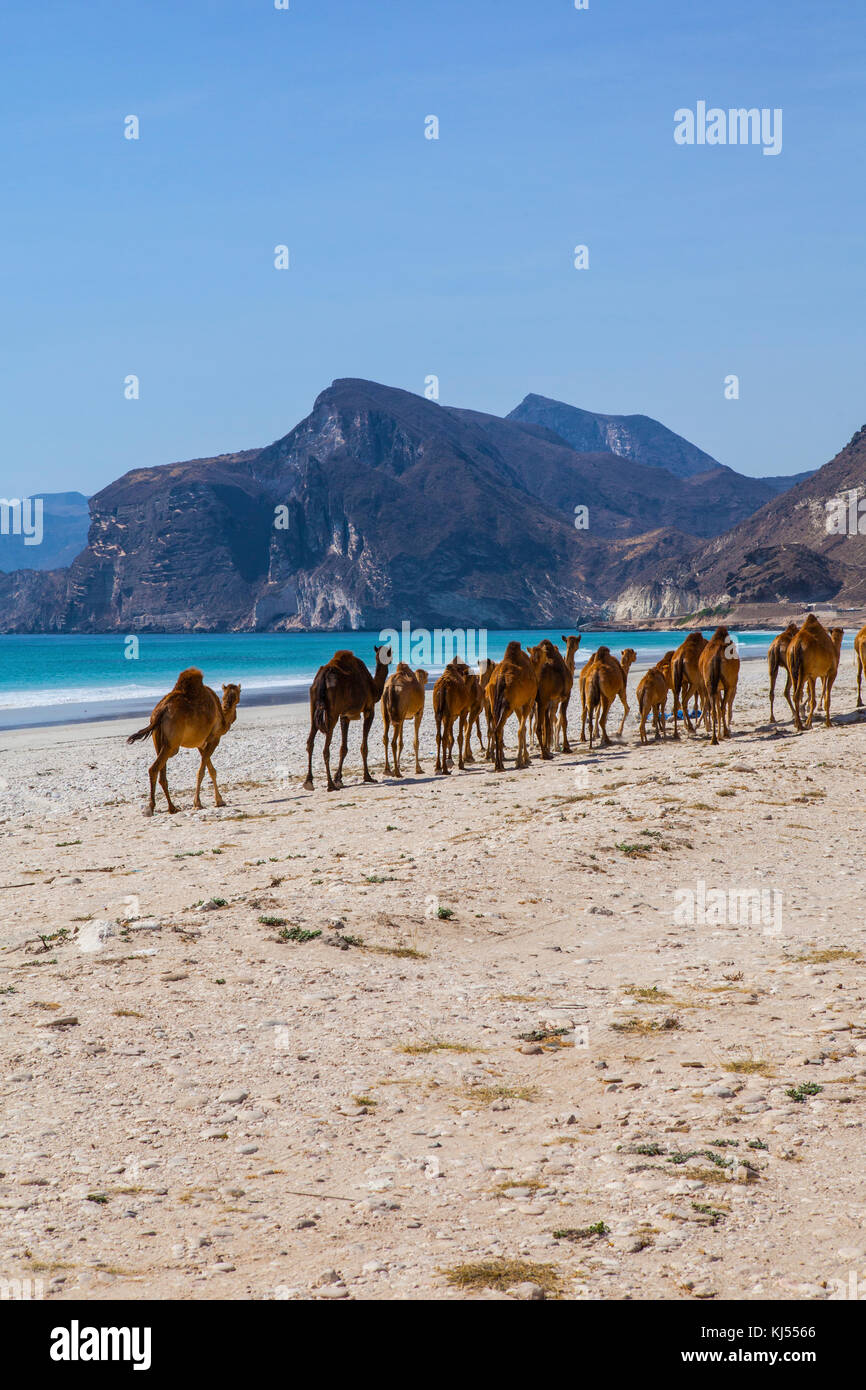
(65, 718)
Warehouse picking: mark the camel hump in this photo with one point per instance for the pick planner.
(189, 681)
(512, 651)
(602, 654)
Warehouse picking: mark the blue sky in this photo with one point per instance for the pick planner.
(413, 257)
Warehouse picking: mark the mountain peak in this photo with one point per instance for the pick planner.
(637, 437)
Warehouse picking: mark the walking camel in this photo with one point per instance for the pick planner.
(776, 662)
(652, 695)
(686, 676)
(860, 660)
(607, 679)
(812, 653)
(344, 689)
(189, 716)
(553, 688)
(719, 670)
(402, 699)
(512, 688)
(453, 697)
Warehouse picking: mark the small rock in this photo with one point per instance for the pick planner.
(233, 1097)
(527, 1292)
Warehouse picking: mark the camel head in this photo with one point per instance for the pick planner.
(791, 630)
(571, 645)
(384, 656)
(629, 656)
(422, 677)
(231, 696)
(485, 668)
(836, 634)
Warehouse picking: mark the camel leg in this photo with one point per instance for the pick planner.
(396, 747)
(386, 728)
(157, 769)
(368, 719)
(326, 755)
(829, 687)
(563, 726)
(602, 721)
(163, 782)
(461, 739)
(859, 678)
(196, 801)
(308, 785)
(344, 747)
(774, 671)
(418, 717)
(813, 700)
(218, 801)
(624, 714)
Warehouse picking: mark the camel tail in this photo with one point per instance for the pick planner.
(499, 706)
(714, 675)
(143, 733)
(594, 698)
(796, 667)
(318, 706)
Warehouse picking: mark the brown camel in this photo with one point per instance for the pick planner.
(512, 688)
(571, 645)
(402, 699)
(776, 663)
(652, 695)
(190, 716)
(607, 680)
(813, 652)
(473, 721)
(719, 670)
(344, 689)
(453, 697)
(554, 687)
(685, 671)
(860, 660)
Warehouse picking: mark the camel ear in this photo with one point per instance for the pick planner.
(563, 637)
(225, 688)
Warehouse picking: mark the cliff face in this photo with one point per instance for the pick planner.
(380, 506)
(635, 437)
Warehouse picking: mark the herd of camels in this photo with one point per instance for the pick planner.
(534, 685)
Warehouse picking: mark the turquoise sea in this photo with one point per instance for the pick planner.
(49, 678)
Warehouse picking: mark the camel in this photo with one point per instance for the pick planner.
(512, 688)
(652, 695)
(860, 660)
(553, 687)
(776, 662)
(487, 691)
(686, 675)
(627, 659)
(189, 716)
(571, 645)
(813, 652)
(344, 689)
(402, 699)
(453, 697)
(607, 680)
(719, 670)
(478, 683)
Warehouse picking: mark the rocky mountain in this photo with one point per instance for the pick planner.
(808, 545)
(63, 533)
(379, 506)
(635, 437)
(645, 440)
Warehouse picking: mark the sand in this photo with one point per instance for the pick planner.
(195, 1108)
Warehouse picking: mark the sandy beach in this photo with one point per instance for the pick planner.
(595, 1029)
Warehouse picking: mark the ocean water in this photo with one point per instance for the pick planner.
(80, 676)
